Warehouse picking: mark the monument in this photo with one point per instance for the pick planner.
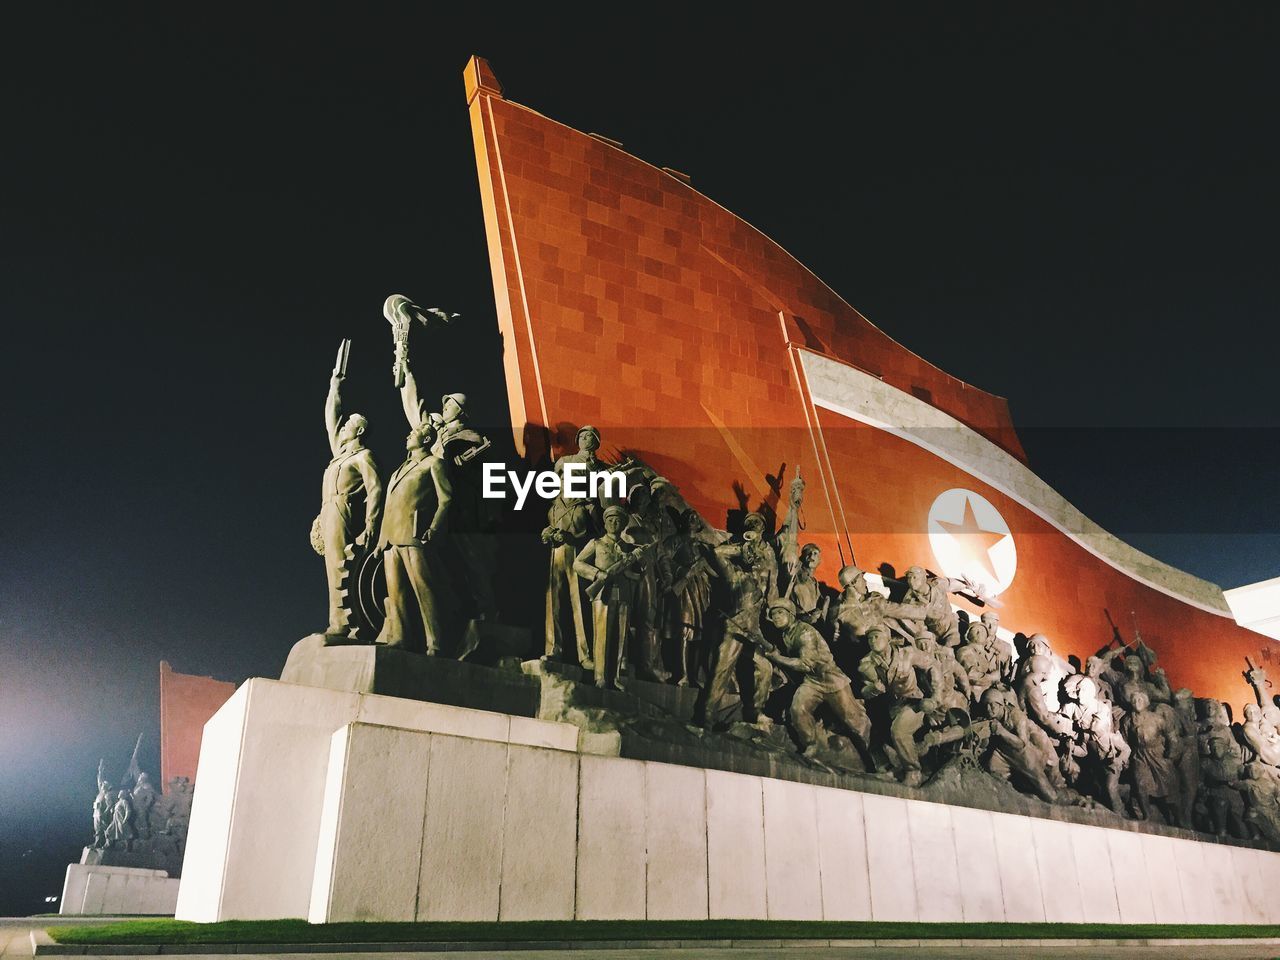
(722, 715)
(139, 832)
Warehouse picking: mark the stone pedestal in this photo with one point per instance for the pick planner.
(369, 668)
(334, 805)
(91, 889)
(263, 777)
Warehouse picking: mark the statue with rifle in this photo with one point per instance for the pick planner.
(612, 573)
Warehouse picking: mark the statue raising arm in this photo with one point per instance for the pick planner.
(409, 398)
(1257, 678)
(333, 405)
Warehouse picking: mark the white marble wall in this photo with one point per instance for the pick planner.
(263, 777)
(604, 837)
(95, 890)
(467, 817)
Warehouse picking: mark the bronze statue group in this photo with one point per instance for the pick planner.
(898, 676)
(891, 677)
(134, 824)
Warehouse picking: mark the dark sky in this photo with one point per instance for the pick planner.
(1070, 205)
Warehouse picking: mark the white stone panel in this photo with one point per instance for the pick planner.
(676, 842)
(433, 717)
(283, 757)
(330, 815)
(209, 830)
(1019, 872)
(256, 817)
(1094, 875)
(889, 863)
(96, 890)
(933, 857)
(73, 888)
(611, 851)
(793, 884)
(1225, 884)
(1271, 881)
(842, 855)
(370, 839)
(529, 732)
(1056, 863)
(1198, 906)
(462, 837)
(1162, 876)
(981, 893)
(539, 835)
(735, 846)
(1129, 865)
(1248, 870)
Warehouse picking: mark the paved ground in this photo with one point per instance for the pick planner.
(15, 932)
(15, 941)
(807, 953)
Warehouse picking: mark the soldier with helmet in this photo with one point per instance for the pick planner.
(607, 562)
(571, 522)
(822, 682)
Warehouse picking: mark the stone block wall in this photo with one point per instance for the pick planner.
(337, 806)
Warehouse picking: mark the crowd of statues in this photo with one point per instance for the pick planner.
(134, 824)
(889, 673)
(645, 587)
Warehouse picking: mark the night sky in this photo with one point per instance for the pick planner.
(1073, 206)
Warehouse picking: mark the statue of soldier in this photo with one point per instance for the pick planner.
(741, 629)
(607, 562)
(102, 804)
(986, 662)
(1221, 769)
(1094, 738)
(1010, 752)
(1188, 762)
(457, 447)
(143, 797)
(955, 692)
(757, 556)
(1048, 726)
(822, 682)
(1261, 790)
(809, 594)
(121, 831)
(418, 500)
(1260, 737)
(1257, 678)
(891, 685)
(690, 594)
(1154, 750)
(933, 596)
(1135, 681)
(1055, 670)
(351, 504)
(649, 524)
(1038, 694)
(859, 608)
(1097, 670)
(571, 522)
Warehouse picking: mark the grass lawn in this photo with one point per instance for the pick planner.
(299, 931)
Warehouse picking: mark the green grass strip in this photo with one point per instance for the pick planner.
(299, 931)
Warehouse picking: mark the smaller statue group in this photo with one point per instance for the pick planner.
(135, 822)
(419, 528)
(897, 676)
